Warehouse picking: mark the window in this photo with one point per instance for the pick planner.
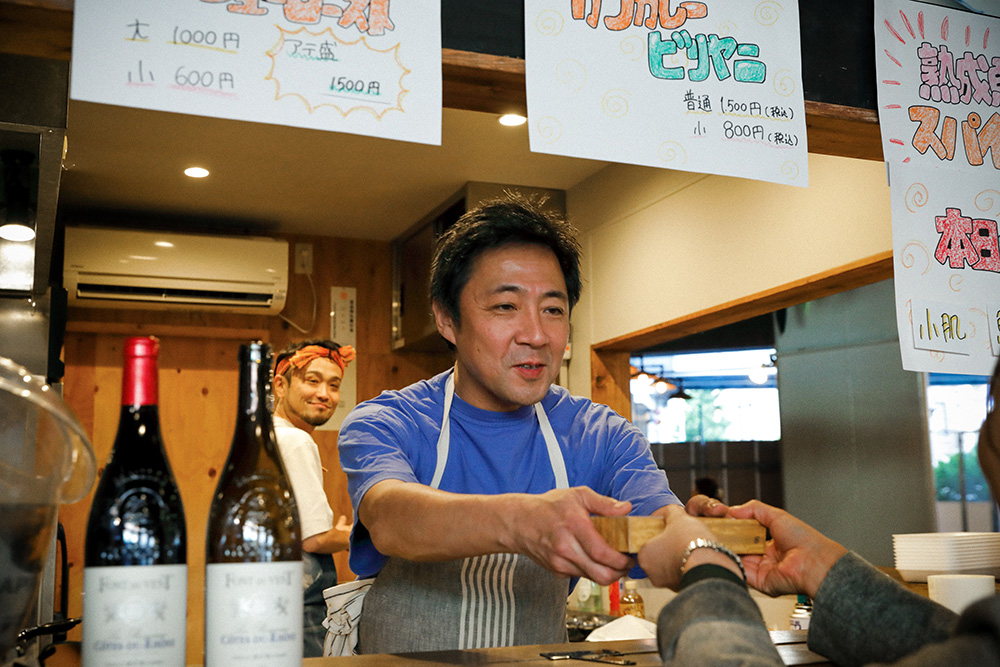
(956, 408)
(697, 397)
(712, 415)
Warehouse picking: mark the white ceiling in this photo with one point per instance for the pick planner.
(272, 178)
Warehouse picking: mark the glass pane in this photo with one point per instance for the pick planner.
(717, 396)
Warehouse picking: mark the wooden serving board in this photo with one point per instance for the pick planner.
(628, 533)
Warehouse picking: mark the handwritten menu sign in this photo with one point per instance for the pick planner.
(939, 108)
(947, 270)
(369, 67)
(712, 86)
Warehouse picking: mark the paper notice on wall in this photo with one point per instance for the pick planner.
(938, 86)
(712, 87)
(939, 111)
(947, 270)
(344, 330)
(370, 67)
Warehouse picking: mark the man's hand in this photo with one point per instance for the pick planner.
(797, 558)
(554, 529)
(413, 521)
(342, 524)
(330, 542)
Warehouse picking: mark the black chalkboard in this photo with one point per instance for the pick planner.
(495, 27)
(838, 51)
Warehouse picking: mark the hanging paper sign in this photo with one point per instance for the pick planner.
(712, 87)
(360, 66)
(939, 97)
(938, 86)
(947, 270)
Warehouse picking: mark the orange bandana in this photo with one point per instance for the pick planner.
(341, 356)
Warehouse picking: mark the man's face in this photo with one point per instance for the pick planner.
(311, 395)
(515, 324)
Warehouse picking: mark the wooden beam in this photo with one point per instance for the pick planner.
(41, 32)
(470, 81)
(857, 274)
(155, 329)
(481, 82)
(833, 129)
(609, 380)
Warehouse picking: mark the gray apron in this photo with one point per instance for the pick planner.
(318, 574)
(480, 602)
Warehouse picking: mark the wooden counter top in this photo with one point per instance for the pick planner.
(790, 644)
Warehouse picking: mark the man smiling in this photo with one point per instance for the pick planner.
(307, 377)
(473, 490)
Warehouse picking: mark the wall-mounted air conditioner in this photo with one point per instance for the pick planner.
(117, 268)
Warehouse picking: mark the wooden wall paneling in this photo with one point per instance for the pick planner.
(366, 266)
(335, 485)
(199, 380)
(198, 393)
(198, 386)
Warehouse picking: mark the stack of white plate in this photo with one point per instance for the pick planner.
(921, 554)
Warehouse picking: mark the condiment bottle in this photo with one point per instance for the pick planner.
(801, 615)
(631, 603)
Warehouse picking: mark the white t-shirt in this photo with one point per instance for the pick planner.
(300, 456)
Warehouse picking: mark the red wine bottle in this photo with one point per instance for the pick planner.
(253, 545)
(135, 556)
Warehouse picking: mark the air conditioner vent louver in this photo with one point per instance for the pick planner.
(114, 268)
(93, 291)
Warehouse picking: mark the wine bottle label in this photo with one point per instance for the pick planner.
(135, 615)
(253, 614)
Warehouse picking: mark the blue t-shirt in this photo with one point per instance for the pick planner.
(394, 436)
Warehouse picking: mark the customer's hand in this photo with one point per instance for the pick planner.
(701, 505)
(797, 557)
(661, 556)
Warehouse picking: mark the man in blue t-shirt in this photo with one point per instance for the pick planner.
(473, 490)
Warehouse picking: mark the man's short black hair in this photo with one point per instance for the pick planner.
(513, 219)
(292, 348)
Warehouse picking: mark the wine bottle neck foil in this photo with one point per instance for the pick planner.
(139, 381)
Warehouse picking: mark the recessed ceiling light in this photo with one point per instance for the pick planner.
(512, 120)
(164, 244)
(16, 232)
(196, 172)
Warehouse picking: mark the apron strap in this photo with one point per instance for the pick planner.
(555, 454)
(444, 440)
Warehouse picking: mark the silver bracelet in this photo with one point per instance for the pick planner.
(702, 543)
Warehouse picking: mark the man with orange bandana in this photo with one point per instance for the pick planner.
(307, 377)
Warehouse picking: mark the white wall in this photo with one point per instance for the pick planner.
(662, 244)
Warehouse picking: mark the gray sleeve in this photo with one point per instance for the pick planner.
(714, 622)
(861, 616)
